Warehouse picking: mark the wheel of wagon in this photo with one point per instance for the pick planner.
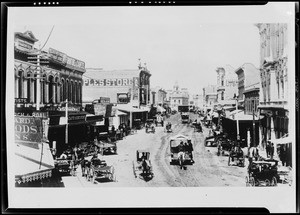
(93, 175)
(251, 181)
(133, 166)
(274, 181)
(111, 174)
(247, 182)
(267, 182)
(229, 157)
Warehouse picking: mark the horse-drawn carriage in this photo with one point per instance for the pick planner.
(150, 126)
(197, 126)
(224, 144)
(137, 124)
(66, 163)
(142, 165)
(179, 155)
(159, 120)
(236, 155)
(262, 173)
(95, 168)
(168, 127)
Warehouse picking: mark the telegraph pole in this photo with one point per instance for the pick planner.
(67, 119)
(38, 83)
(253, 114)
(237, 121)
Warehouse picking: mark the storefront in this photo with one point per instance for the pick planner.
(33, 160)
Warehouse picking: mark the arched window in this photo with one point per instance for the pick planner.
(62, 90)
(20, 84)
(50, 89)
(80, 93)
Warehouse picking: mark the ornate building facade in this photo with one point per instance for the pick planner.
(274, 80)
(55, 78)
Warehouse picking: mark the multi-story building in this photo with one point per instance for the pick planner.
(178, 97)
(274, 81)
(129, 89)
(210, 97)
(59, 79)
(226, 85)
(159, 96)
(43, 81)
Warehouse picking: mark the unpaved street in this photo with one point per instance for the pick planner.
(209, 170)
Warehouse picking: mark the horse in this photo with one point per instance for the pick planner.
(145, 167)
(181, 159)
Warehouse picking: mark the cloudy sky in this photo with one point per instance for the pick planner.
(184, 44)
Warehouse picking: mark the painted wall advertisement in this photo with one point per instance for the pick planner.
(28, 128)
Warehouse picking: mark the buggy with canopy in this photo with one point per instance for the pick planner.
(176, 155)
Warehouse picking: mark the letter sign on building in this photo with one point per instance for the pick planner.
(28, 128)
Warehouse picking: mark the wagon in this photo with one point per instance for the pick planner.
(262, 173)
(237, 158)
(168, 128)
(159, 121)
(150, 126)
(107, 148)
(142, 165)
(98, 169)
(66, 164)
(174, 143)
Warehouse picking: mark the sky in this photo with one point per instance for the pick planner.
(183, 44)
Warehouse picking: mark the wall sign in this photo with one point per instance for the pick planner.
(112, 82)
(28, 128)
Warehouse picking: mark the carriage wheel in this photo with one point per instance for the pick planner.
(251, 181)
(247, 182)
(268, 183)
(134, 173)
(111, 174)
(92, 175)
(274, 181)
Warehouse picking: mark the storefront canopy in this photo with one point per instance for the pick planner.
(241, 116)
(130, 109)
(33, 161)
(283, 140)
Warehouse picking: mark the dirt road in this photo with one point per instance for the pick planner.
(209, 170)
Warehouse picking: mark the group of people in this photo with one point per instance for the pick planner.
(186, 147)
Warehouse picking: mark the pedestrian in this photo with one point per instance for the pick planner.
(190, 149)
(271, 150)
(255, 153)
(268, 148)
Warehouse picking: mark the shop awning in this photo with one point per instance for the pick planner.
(32, 162)
(120, 113)
(241, 116)
(283, 140)
(130, 109)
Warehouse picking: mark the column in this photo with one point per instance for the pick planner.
(46, 92)
(42, 87)
(54, 93)
(16, 87)
(24, 93)
(58, 92)
(31, 82)
(273, 136)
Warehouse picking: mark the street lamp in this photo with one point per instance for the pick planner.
(237, 121)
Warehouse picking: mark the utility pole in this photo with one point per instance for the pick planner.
(253, 114)
(237, 121)
(38, 82)
(67, 119)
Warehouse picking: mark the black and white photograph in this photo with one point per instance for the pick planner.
(151, 106)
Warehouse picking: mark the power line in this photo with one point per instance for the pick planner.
(47, 38)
